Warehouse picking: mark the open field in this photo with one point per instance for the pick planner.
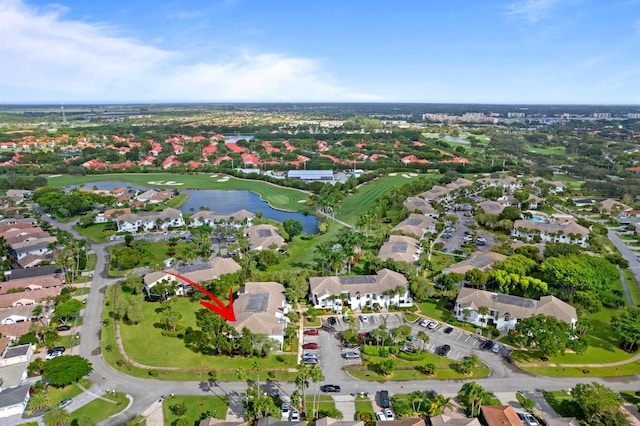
(277, 196)
(99, 409)
(215, 406)
(368, 194)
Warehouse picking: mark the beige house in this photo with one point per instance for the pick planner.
(386, 288)
(506, 310)
(165, 219)
(570, 232)
(401, 249)
(262, 308)
(206, 217)
(262, 237)
(416, 225)
(491, 207)
(420, 204)
(445, 420)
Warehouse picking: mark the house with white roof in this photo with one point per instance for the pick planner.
(168, 218)
(568, 232)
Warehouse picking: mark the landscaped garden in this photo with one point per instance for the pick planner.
(193, 408)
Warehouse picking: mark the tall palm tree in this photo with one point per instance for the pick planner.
(424, 338)
(302, 383)
(315, 373)
(56, 417)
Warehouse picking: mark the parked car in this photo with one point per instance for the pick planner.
(443, 350)
(424, 323)
(496, 348)
(448, 330)
(64, 402)
(333, 321)
(528, 419)
(384, 399)
(486, 345)
(311, 332)
(310, 346)
(389, 414)
(381, 417)
(310, 361)
(56, 349)
(351, 355)
(310, 355)
(63, 328)
(330, 388)
(53, 355)
(285, 410)
(295, 416)
(433, 325)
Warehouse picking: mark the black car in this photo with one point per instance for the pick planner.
(56, 349)
(443, 350)
(384, 399)
(448, 330)
(333, 321)
(330, 388)
(63, 328)
(486, 345)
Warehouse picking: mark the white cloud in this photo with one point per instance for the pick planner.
(48, 58)
(531, 10)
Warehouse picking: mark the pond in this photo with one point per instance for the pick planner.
(225, 202)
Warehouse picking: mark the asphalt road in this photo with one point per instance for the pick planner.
(145, 392)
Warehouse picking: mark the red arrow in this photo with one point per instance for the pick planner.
(225, 312)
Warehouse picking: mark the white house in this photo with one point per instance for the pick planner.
(206, 217)
(168, 218)
(13, 401)
(386, 288)
(506, 310)
(416, 224)
(569, 232)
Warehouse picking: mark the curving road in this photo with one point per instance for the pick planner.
(145, 392)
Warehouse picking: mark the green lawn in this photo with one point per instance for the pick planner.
(99, 409)
(435, 309)
(153, 253)
(196, 406)
(163, 351)
(562, 402)
(570, 181)
(325, 403)
(70, 391)
(364, 405)
(632, 397)
(621, 370)
(96, 232)
(368, 194)
(277, 196)
(410, 369)
(633, 286)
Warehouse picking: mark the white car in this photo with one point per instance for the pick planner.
(285, 410)
(496, 348)
(424, 323)
(381, 417)
(295, 416)
(351, 355)
(389, 414)
(432, 325)
(53, 354)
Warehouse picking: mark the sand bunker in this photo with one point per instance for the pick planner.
(393, 174)
(168, 183)
(224, 179)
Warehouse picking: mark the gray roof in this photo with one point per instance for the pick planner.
(37, 271)
(12, 375)
(17, 351)
(384, 280)
(14, 396)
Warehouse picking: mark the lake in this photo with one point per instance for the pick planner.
(224, 202)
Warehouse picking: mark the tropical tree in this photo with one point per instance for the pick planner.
(315, 373)
(424, 338)
(66, 369)
(471, 395)
(56, 417)
(439, 405)
(627, 327)
(39, 401)
(303, 374)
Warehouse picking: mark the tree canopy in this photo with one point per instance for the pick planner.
(627, 326)
(66, 369)
(548, 334)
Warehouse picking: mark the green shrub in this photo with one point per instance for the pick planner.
(495, 332)
(153, 373)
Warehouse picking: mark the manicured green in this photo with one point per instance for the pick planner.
(278, 197)
(97, 233)
(367, 195)
(99, 409)
(435, 310)
(632, 285)
(70, 391)
(632, 397)
(629, 369)
(28, 424)
(364, 405)
(154, 254)
(195, 405)
(559, 401)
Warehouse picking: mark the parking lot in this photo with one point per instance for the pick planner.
(462, 343)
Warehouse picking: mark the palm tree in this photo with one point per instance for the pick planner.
(424, 338)
(39, 401)
(484, 311)
(315, 373)
(241, 375)
(302, 383)
(439, 405)
(56, 417)
(472, 394)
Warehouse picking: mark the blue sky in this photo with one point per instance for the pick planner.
(511, 51)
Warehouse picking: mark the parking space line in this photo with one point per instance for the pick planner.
(467, 339)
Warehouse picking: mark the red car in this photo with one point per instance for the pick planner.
(310, 346)
(311, 332)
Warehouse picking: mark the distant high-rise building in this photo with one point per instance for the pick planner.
(601, 115)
